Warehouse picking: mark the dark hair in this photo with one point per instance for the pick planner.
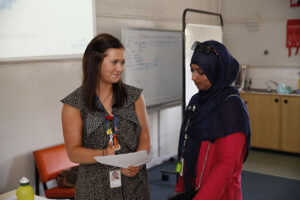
(91, 64)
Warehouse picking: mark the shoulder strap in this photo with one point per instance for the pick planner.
(232, 95)
(201, 175)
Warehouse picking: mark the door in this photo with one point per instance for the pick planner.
(290, 129)
(264, 112)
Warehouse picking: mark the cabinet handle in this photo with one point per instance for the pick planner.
(246, 102)
(285, 101)
(276, 100)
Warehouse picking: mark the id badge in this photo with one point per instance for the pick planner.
(179, 167)
(115, 178)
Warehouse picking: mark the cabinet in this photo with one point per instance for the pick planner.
(274, 121)
(290, 124)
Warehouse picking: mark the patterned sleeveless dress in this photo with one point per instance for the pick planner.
(93, 179)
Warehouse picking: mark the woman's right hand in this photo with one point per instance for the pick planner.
(110, 149)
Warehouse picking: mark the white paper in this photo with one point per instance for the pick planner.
(14, 197)
(125, 160)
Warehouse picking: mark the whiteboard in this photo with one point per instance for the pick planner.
(154, 63)
(35, 29)
(201, 33)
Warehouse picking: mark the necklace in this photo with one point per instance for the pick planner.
(107, 104)
(112, 133)
(105, 99)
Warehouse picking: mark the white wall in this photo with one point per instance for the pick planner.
(156, 14)
(30, 113)
(30, 91)
(250, 28)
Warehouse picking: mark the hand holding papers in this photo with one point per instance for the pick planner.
(125, 160)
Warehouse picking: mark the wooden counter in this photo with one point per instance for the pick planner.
(275, 120)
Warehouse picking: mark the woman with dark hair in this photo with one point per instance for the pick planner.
(105, 117)
(215, 134)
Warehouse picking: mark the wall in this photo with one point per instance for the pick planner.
(30, 113)
(155, 14)
(30, 91)
(251, 28)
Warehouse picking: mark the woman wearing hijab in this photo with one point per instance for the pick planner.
(215, 134)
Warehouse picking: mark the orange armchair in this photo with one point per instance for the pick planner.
(49, 162)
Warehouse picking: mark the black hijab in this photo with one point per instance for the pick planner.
(214, 113)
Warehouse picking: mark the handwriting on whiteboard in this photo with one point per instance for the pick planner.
(142, 54)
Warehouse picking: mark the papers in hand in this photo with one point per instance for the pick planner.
(125, 160)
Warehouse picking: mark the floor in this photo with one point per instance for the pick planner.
(255, 185)
(276, 177)
(273, 163)
(260, 161)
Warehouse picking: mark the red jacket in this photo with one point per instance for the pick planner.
(221, 179)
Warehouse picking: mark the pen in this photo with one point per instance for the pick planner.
(115, 141)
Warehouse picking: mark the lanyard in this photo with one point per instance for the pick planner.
(112, 134)
(185, 137)
(180, 164)
(188, 124)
